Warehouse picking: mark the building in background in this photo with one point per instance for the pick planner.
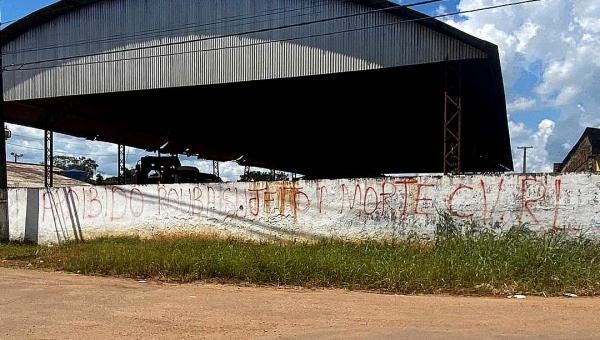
(74, 174)
(584, 156)
(22, 175)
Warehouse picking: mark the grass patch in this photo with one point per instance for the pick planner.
(481, 263)
(17, 253)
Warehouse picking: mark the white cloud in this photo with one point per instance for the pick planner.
(567, 95)
(30, 143)
(441, 10)
(517, 130)
(537, 156)
(524, 34)
(521, 104)
(228, 171)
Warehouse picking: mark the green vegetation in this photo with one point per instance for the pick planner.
(456, 262)
(84, 164)
(262, 176)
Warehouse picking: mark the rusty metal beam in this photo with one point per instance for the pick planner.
(121, 164)
(48, 158)
(216, 168)
(453, 118)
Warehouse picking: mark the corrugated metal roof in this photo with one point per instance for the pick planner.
(203, 48)
(22, 175)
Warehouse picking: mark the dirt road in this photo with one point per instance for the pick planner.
(43, 305)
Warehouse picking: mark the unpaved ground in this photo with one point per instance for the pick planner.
(43, 305)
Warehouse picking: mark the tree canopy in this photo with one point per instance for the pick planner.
(87, 165)
(101, 180)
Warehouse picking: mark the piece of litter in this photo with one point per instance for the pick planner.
(41, 261)
(570, 295)
(516, 296)
(142, 281)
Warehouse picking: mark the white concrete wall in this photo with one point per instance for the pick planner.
(17, 210)
(364, 208)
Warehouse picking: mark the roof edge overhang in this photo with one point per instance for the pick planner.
(40, 17)
(62, 7)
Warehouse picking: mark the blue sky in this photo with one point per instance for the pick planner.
(550, 55)
(15, 9)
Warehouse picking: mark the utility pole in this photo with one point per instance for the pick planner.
(16, 155)
(4, 231)
(524, 148)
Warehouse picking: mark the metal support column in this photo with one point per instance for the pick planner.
(48, 158)
(4, 225)
(247, 173)
(272, 174)
(453, 118)
(121, 164)
(216, 168)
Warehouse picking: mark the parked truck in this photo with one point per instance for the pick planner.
(167, 170)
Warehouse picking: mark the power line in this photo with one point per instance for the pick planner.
(9, 21)
(46, 12)
(31, 14)
(20, 68)
(129, 152)
(62, 152)
(28, 137)
(149, 33)
(255, 31)
(77, 142)
(55, 141)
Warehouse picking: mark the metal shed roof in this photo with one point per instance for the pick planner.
(122, 117)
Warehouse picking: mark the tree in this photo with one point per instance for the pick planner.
(84, 164)
(257, 176)
(101, 180)
(110, 181)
